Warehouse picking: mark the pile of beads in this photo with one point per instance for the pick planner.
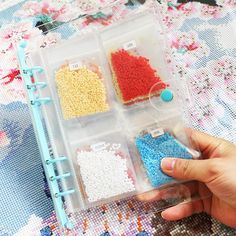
(133, 77)
(105, 174)
(153, 150)
(81, 92)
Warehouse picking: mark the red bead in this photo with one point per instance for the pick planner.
(134, 77)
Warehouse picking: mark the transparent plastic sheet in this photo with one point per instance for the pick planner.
(91, 10)
(131, 44)
(57, 31)
(109, 12)
(171, 193)
(203, 56)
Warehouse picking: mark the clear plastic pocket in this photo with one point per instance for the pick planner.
(136, 59)
(77, 74)
(157, 141)
(104, 168)
(87, 125)
(81, 87)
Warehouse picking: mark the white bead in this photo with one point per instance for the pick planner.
(104, 174)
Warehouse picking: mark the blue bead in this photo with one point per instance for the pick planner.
(143, 233)
(153, 150)
(46, 231)
(106, 234)
(167, 95)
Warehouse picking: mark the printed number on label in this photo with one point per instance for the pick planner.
(98, 146)
(75, 66)
(157, 132)
(130, 45)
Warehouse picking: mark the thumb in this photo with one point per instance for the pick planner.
(187, 169)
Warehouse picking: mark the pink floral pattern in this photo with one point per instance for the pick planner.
(211, 11)
(202, 84)
(174, 13)
(13, 33)
(11, 86)
(109, 15)
(227, 3)
(56, 11)
(49, 39)
(225, 68)
(4, 140)
(204, 115)
(189, 43)
(186, 50)
(12, 92)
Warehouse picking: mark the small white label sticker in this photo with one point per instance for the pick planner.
(75, 66)
(130, 45)
(157, 132)
(98, 146)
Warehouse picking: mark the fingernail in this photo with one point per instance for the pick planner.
(163, 215)
(168, 163)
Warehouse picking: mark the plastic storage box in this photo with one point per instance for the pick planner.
(114, 113)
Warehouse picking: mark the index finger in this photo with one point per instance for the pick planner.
(209, 146)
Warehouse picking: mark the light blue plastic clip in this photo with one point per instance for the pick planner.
(62, 194)
(52, 161)
(47, 159)
(37, 85)
(58, 177)
(30, 71)
(40, 101)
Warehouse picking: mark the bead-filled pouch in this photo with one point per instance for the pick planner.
(136, 61)
(153, 149)
(133, 76)
(81, 89)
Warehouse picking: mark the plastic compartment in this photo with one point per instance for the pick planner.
(96, 125)
(77, 52)
(81, 87)
(76, 135)
(134, 49)
(137, 116)
(152, 143)
(105, 132)
(77, 78)
(104, 168)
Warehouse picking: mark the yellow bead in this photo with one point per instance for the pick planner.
(81, 92)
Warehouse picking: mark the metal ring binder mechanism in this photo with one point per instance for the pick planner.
(48, 161)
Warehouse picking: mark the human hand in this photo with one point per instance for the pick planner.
(217, 171)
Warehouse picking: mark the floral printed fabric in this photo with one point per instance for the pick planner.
(204, 53)
(202, 50)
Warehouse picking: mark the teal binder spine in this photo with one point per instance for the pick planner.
(47, 159)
